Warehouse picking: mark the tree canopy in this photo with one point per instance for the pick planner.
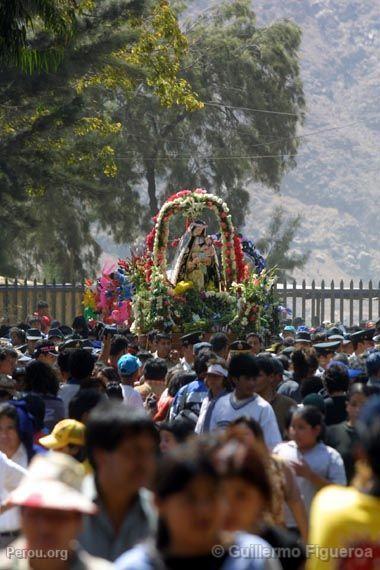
(136, 110)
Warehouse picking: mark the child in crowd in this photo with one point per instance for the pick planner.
(314, 463)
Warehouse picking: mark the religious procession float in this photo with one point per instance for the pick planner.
(201, 281)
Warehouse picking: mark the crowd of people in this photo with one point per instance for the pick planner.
(140, 453)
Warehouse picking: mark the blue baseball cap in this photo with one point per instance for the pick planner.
(289, 328)
(128, 364)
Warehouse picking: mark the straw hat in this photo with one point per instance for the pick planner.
(53, 481)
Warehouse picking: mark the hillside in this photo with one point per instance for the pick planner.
(335, 185)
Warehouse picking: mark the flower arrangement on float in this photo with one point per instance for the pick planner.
(244, 302)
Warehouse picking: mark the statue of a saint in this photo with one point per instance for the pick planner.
(196, 260)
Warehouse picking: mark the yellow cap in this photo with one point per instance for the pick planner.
(64, 433)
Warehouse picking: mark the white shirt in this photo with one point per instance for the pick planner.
(228, 408)
(67, 393)
(322, 459)
(131, 397)
(11, 473)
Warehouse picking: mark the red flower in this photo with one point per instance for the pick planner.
(149, 241)
(180, 194)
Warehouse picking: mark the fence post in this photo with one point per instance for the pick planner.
(370, 296)
(24, 300)
(73, 301)
(6, 301)
(54, 300)
(14, 317)
(34, 296)
(332, 302)
(304, 300)
(294, 304)
(341, 308)
(284, 295)
(351, 294)
(313, 315)
(360, 301)
(322, 301)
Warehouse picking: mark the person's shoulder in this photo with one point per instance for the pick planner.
(222, 400)
(335, 499)
(284, 445)
(285, 400)
(336, 430)
(90, 562)
(244, 539)
(333, 453)
(260, 401)
(140, 557)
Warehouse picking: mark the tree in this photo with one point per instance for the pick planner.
(19, 19)
(276, 244)
(58, 136)
(235, 67)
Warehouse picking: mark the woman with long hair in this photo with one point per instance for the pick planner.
(41, 379)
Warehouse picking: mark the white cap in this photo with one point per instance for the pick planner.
(218, 370)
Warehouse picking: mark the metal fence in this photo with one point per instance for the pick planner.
(19, 299)
(314, 303)
(350, 304)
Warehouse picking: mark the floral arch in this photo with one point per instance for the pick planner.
(191, 205)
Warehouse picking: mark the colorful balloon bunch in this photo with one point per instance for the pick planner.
(109, 298)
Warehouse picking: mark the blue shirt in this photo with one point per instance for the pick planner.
(189, 397)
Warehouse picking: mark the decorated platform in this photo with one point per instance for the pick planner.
(200, 281)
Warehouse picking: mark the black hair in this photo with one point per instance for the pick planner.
(312, 385)
(114, 391)
(152, 335)
(174, 474)
(7, 351)
(110, 373)
(284, 361)
(201, 361)
(63, 360)
(162, 336)
(358, 388)
(312, 416)
(118, 344)
(81, 363)
(254, 335)
(83, 402)
(251, 424)
(304, 364)
(278, 367)
(111, 422)
(181, 430)
(80, 323)
(247, 464)
(42, 305)
(41, 378)
(336, 379)
(243, 365)
(265, 364)
(24, 428)
(144, 356)
(155, 369)
(18, 332)
(180, 379)
(219, 342)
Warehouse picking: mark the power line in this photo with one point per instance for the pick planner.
(180, 157)
(215, 104)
